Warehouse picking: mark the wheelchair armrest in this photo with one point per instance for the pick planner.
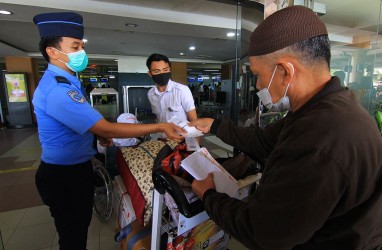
(164, 182)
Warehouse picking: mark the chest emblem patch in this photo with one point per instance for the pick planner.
(77, 97)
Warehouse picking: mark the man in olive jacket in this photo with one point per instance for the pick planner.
(321, 186)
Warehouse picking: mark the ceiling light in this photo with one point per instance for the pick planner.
(192, 48)
(5, 12)
(203, 56)
(131, 25)
(85, 40)
(230, 34)
(181, 53)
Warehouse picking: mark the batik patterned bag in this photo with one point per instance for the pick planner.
(140, 160)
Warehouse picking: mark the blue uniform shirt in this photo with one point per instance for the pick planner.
(64, 118)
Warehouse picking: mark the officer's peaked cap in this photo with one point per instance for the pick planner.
(59, 24)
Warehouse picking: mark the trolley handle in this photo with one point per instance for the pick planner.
(164, 182)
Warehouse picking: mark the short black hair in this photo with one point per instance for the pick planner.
(311, 52)
(314, 49)
(156, 58)
(49, 41)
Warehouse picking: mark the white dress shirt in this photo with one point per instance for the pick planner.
(176, 100)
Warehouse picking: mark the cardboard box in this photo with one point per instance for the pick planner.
(122, 203)
(206, 235)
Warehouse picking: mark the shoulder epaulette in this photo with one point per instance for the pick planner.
(61, 79)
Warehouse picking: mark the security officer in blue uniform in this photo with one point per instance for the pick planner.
(66, 126)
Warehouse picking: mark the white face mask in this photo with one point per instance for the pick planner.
(266, 98)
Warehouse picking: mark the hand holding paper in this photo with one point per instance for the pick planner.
(191, 131)
(200, 187)
(200, 163)
(203, 124)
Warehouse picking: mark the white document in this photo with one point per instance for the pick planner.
(200, 163)
(191, 131)
(192, 144)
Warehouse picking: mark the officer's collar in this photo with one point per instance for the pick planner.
(59, 71)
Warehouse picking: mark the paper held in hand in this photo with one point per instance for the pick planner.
(200, 163)
(191, 131)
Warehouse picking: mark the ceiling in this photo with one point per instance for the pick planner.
(170, 26)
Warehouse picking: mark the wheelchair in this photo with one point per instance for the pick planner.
(103, 188)
(103, 181)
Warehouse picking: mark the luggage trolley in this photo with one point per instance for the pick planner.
(191, 214)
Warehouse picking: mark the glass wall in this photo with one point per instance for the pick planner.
(358, 64)
(356, 60)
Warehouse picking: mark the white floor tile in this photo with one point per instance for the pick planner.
(6, 235)
(110, 225)
(30, 148)
(93, 243)
(55, 241)
(107, 241)
(107, 232)
(94, 227)
(32, 238)
(35, 216)
(9, 220)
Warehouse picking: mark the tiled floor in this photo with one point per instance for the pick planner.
(33, 229)
(25, 223)
(19, 157)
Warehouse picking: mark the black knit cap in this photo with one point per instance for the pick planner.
(68, 24)
(284, 28)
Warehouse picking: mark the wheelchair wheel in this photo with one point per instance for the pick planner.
(103, 191)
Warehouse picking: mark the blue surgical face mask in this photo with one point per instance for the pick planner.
(266, 98)
(77, 60)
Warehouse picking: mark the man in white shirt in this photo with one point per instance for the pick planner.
(168, 98)
(201, 88)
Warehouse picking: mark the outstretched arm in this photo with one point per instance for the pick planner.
(107, 129)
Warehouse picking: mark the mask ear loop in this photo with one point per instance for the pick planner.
(292, 68)
(273, 74)
(62, 53)
(286, 91)
(260, 108)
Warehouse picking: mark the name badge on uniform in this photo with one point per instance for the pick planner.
(77, 97)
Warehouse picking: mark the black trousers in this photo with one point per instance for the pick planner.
(68, 191)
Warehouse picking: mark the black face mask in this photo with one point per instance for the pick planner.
(162, 79)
